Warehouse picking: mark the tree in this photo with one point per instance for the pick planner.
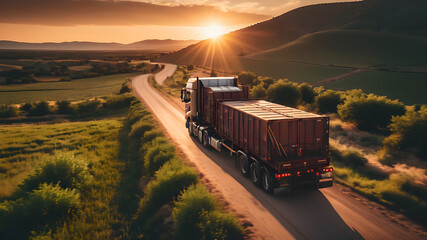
(248, 78)
(328, 101)
(370, 112)
(284, 92)
(63, 106)
(258, 91)
(267, 81)
(40, 109)
(307, 92)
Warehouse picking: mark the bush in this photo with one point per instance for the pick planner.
(40, 109)
(46, 205)
(139, 128)
(124, 89)
(170, 180)
(149, 136)
(64, 170)
(258, 91)
(89, 108)
(7, 111)
(118, 101)
(267, 81)
(408, 132)
(370, 112)
(158, 155)
(328, 101)
(136, 112)
(307, 92)
(26, 107)
(219, 225)
(64, 107)
(284, 92)
(248, 78)
(188, 210)
(351, 158)
(190, 67)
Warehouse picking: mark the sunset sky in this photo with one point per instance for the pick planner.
(134, 20)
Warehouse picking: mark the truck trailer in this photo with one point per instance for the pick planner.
(275, 145)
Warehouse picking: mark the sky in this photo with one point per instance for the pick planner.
(127, 21)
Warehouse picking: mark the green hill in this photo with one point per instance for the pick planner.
(353, 48)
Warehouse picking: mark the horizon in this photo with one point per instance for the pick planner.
(127, 22)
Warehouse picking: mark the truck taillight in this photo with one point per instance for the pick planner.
(282, 175)
(328, 169)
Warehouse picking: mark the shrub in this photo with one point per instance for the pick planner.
(370, 112)
(351, 158)
(307, 92)
(284, 92)
(89, 108)
(118, 101)
(190, 67)
(258, 91)
(139, 128)
(149, 136)
(248, 78)
(63, 107)
(188, 210)
(328, 101)
(219, 225)
(158, 155)
(64, 170)
(170, 180)
(136, 112)
(124, 89)
(267, 81)
(40, 109)
(45, 205)
(408, 132)
(7, 111)
(26, 107)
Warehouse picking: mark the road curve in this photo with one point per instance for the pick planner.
(304, 214)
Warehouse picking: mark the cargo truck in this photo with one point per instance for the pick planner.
(275, 145)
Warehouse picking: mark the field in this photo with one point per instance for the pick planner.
(407, 87)
(73, 90)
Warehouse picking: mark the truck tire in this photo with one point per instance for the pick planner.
(255, 174)
(244, 164)
(205, 139)
(267, 181)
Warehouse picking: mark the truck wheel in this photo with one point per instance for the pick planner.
(267, 181)
(244, 165)
(255, 174)
(205, 139)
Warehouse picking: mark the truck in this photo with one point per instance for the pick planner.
(275, 146)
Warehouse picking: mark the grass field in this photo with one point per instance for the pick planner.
(73, 90)
(408, 87)
(25, 147)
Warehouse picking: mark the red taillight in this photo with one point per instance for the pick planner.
(277, 175)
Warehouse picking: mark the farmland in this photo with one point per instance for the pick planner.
(73, 90)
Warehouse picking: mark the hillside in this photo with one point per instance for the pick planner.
(353, 48)
(151, 44)
(379, 16)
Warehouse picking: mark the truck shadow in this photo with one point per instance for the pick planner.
(305, 213)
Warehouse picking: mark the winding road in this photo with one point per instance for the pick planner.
(304, 214)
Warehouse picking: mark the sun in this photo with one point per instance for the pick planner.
(213, 31)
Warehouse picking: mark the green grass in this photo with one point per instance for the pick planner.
(407, 87)
(73, 90)
(353, 49)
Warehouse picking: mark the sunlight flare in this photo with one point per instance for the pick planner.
(213, 31)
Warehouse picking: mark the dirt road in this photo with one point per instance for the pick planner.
(304, 214)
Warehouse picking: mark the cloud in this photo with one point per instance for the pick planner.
(94, 12)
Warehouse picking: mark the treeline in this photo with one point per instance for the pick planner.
(45, 199)
(173, 189)
(404, 126)
(62, 69)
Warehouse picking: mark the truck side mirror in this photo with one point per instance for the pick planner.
(184, 95)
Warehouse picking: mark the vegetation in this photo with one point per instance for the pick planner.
(52, 91)
(370, 112)
(328, 101)
(284, 92)
(408, 134)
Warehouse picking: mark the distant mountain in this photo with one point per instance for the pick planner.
(151, 44)
(385, 19)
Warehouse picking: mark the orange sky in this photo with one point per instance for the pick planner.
(130, 21)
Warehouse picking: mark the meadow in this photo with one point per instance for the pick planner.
(74, 90)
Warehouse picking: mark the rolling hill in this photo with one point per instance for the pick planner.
(150, 44)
